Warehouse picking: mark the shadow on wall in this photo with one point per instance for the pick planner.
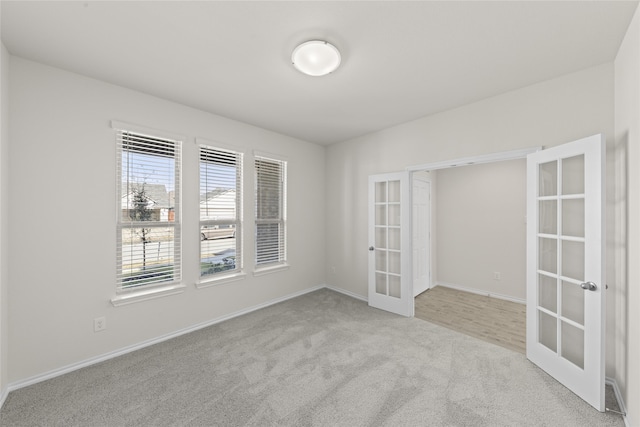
(620, 240)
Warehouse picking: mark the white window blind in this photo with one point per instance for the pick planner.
(148, 214)
(270, 211)
(220, 211)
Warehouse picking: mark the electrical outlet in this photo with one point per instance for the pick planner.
(99, 324)
(496, 275)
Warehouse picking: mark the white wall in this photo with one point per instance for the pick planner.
(62, 149)
(62, 216)
(549, 113)
(481, 225)
(4, 217)
(626, 231)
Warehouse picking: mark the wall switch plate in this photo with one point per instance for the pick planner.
(497, 276)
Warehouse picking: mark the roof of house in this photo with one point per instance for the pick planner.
(216, 192)
(156, 193)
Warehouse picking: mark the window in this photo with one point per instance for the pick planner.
(220, 211)
(271, 208)
(148, 228)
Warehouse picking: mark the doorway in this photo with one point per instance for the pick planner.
(477, 212)
(479, 229)
(479, 287)
(564, 263)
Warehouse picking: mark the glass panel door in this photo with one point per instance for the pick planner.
(389, 272)
(561, 234)
(387, 238)
(565, 270)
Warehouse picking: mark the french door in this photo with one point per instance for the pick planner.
(390, 271)
(565, 265)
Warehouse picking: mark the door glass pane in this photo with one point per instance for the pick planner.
(548, 185)
(381, 192)
(381, 215)
(394, 191)
(394, 262)
(573, 175)
(573, 344)
(548, 217)
(381, 260)
(386, 262)
(381, 283)
(548, 257)
(573, 302)
(548, 332)
(394, 214)
(394, 238)
(394, 286)
(573, 260)
(548, 292)
(381, 237)
(573, 217)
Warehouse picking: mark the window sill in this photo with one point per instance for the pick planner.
(261, 271)
(206, 283)
(147, 294)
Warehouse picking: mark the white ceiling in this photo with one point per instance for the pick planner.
(400, 60)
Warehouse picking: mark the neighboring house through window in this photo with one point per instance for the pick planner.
(220, 211)
(148, 217)
(271, 230)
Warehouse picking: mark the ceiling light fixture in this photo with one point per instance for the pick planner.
(316, 58)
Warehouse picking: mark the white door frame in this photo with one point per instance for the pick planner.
(463, 161)
(475, 160)
(429, 284)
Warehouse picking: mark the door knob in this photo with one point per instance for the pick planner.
(589, 286)
(371, 248)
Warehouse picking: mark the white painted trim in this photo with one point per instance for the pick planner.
(475, 160)
(104, 357)
(261, 271)
(3, 396)
(428, 180)
(221, 280)
(147, 294)
(115, 124)
(484, 293)
(347, 293)
(211, 143)
(273, 156)
(616, 390)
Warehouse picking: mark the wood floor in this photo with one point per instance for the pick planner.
(490, 319)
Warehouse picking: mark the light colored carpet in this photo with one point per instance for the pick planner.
(322, 359)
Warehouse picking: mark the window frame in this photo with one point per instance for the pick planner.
(143, 291)
(236, 273)
(281, 220)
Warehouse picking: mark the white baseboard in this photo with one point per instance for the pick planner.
(480, 292)
(3, 396)
(91, 361)
(97, 359)
(616, 390)
(347, 293)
